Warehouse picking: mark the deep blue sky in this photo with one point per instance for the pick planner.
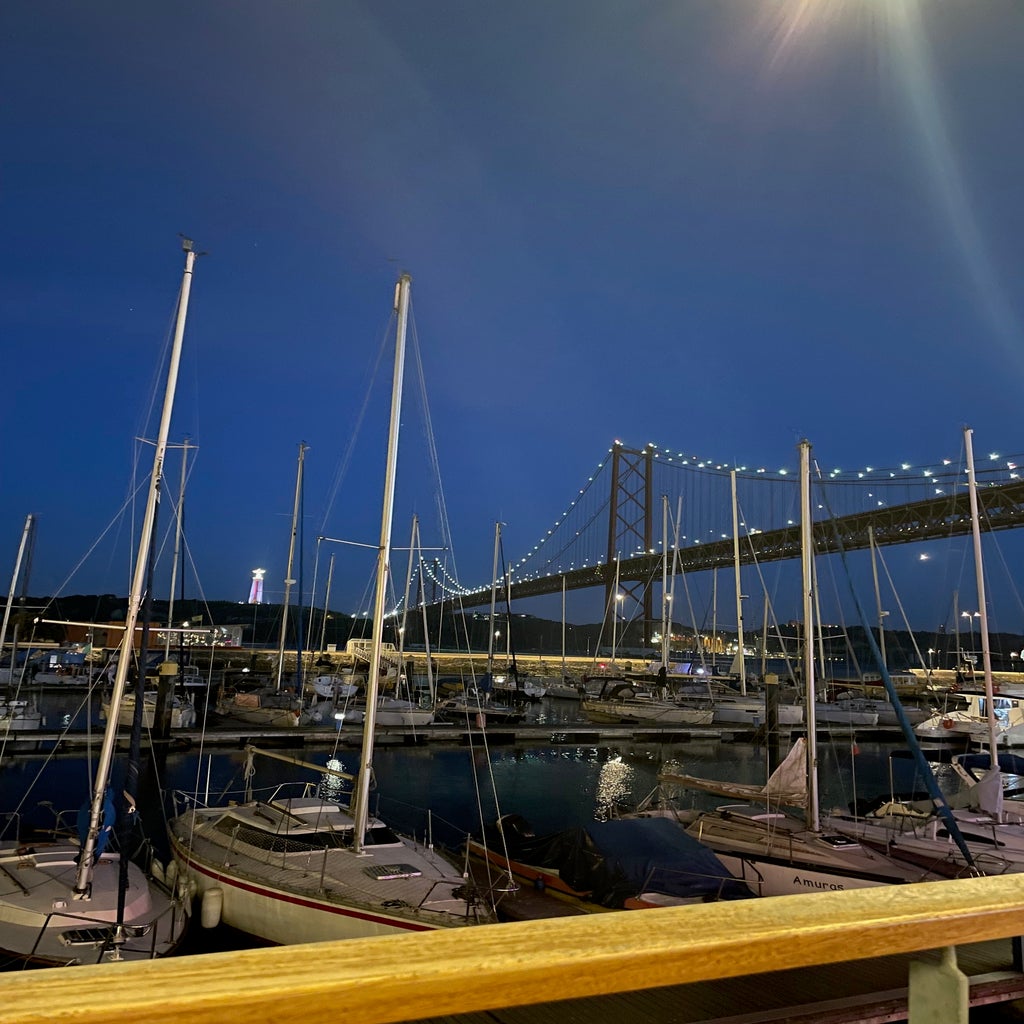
(718, 225)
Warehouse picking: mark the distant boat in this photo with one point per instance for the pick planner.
(183, 711)
(966, 718)
(19, 716)
(624, 700)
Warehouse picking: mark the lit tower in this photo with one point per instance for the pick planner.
(256, 590)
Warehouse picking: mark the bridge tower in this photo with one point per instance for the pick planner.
(630, 525)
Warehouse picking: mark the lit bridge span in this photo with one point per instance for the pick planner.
(639, 500)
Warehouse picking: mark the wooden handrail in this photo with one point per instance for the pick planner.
(429, 974)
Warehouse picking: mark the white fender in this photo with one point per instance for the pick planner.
(156, 869)
(213, 902)
(171, 874)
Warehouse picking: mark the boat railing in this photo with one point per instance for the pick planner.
(102, 930)
(464, 970)
(183, 800)
(470, 896)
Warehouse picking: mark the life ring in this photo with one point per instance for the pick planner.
(947, 723)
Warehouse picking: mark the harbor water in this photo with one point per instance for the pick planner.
(441, 791)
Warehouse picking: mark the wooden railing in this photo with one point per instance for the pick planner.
(429, 974)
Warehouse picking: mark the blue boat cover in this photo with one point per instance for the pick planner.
(614, 860)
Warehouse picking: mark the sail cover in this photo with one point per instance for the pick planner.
(787, 784)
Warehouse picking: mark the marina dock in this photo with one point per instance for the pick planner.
(229, 734)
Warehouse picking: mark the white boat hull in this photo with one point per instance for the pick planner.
(285, 917)
(753, 713)
(287, 872)
(765, 878)
(637, 712)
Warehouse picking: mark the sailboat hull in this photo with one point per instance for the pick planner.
(776, 878)
(286, 871)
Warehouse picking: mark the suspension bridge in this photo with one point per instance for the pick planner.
(641, 503)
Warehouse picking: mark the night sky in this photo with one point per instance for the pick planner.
(715, 225)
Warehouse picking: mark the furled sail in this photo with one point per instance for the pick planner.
(786, 785)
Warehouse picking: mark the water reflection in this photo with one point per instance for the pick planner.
(614, 786)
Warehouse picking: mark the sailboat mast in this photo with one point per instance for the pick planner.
(494, 598)
(288, 581)
(740, 662)
(327, 605)
(615, 610)
(106, 758)
(764, 637)
(26, 533)
(665, 598)
(878, 593)
(361, 810)
(979, 574)
(413, 537)
(806, 562)
(177, 550)
(563, 627)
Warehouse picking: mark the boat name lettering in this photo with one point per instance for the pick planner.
(810, 883)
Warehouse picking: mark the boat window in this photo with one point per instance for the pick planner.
(384, 872)
(840, 842)
(381, 835)
(277, 842)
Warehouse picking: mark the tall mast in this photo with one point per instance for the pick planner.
(979, 575)
(88, 854)
(177, 550)
(288, 581)
(806, 561)
(563, 627)
(494, 598)
(741, 661)
(361, 811)
(327, 604)
(26, 533)
(878, 594)
(615, 610)
(665, 597)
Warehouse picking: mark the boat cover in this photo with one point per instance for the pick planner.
(614, 860)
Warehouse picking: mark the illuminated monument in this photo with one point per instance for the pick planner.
(256, 590)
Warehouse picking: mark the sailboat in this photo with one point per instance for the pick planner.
(16, 714)
(976, 834)
(70, 901)
(305, 868)
(773, 851)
